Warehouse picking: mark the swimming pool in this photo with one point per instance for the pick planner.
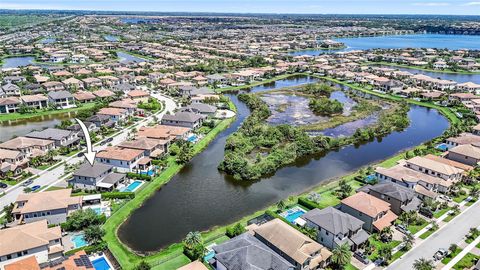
(209, 256)
(78, 240)
(133, 186)
(442, 147)
(292, 214)
(192, 138)
(370, 178)
(101, 264)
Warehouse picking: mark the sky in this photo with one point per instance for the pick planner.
(449, 7)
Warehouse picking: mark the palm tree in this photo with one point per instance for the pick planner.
(341, 256)
(281, 205)
(192, 239)
(385, 252)
(423, 264)
(408, 240)
(386, 233)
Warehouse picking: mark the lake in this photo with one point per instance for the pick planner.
(200, 197)
(452, 42)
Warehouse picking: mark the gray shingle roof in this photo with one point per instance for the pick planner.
(92, 171)
(183, 117)
(50, 134)
(333, 220)
(245, 252)
(59, 95)
(393, 190)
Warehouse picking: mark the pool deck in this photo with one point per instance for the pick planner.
(96, 257)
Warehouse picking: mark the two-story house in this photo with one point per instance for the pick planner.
(375, 213)
(124, 160)
(335, 228)
(61, 137)
(53, 206)
(98, 176)
(61, 99)
(466, 154)
(400, 198)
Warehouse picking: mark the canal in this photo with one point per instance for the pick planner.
(201, 197)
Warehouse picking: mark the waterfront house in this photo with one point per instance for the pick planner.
(201, 108)
(78, 261)
(375, 213)
(335, 228)
(464, 138)
(61, 137)
(195, 265)
(9, 105)
(183, 119)
(465, 153)
(469, 87)
(124, 160)
(101, 120)
(164, 132)
(97, 177)
(29, 146)
(33, 239)
(435, 168)
(151, 147)
(247, 252)
(292, 245)
(62, 99)
(400, 198)
(53, 206)
(37, 101)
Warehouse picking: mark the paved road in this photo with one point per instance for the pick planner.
(452, 233)
(50, 177)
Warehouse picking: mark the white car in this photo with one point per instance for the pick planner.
(440, 254)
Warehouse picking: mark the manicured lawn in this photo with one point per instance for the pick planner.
(415, 228)
(379, 245)
(173, 263)
(43, 167)
(460, 198)
(441, 212)
(16, 116)
(54, 188)
(9, 182)
(466, 262)
(452, 255)
(427, 234)
(397, 255)
(450, 217)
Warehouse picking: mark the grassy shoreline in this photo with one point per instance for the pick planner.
(20, 116)
(447, 71)
(172, 256)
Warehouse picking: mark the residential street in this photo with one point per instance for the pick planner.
(50, 177)
(452, 233)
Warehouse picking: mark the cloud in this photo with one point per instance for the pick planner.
(472, 4)
(432, 4)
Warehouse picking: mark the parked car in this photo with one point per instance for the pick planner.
(445, 198)
(361, 257)
(35, 188)
(26, 183)
(401, 228)
(379, 262)
(3, 185)
(426, 212)
(440, 254)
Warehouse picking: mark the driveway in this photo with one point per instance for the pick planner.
(452, 233)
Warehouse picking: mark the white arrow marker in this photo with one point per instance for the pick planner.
(90, 154)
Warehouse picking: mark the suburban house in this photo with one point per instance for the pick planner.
(465, 153)
(183, 119)
(53, 86)
(435, 168)
(126, 104)
(33, 239)
(247, 252)
(78, 261)
(151, 147)
(464, 138)
(29, 146)
(201, 108)
(164, 132)
(400, 198)
(375, 213)
(97, 177)
(124, 160)
(335, 228)
(12, 161)
(195, 265)
(11, 89)
(9, 104)
(61, 137)
(52, 206)
(37, 101)
(101, 120)
(292, 245)
(84, 96)
(115, 114)
(62, 99)
(138, 95)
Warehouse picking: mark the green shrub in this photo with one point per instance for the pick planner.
(139, 176)
(118, 195)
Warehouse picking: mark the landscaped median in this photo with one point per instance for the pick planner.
(126, 257)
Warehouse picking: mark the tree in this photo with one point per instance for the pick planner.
(386, 234)
(408, 241)
(345, 189)
(385, 252)
(281, 205)
(341, 256)
(192, 239)
(143, 265)
(453, 248)
(93, 234)
(8, 212)
(423, 264)
(185, 154)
